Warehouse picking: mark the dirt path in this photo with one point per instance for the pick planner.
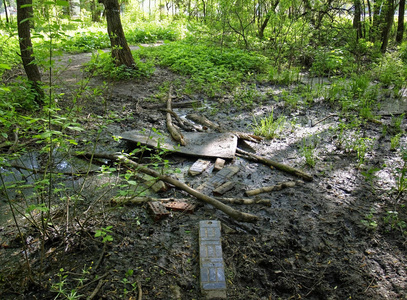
(325, 239)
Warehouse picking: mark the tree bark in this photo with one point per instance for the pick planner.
(389, 13)
(400, 24)
(6, 11)
(120, 49)
(24, 14)
(357, 25)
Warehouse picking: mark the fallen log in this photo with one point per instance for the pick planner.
(267, 189)
(176, 135)
(276, 165)
(237, 215)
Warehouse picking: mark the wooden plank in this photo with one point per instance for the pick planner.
(199, 144)
(220, 178)
(227, 186)
(198, 167)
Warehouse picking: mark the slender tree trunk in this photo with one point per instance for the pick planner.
(95, 11)
(389, 13)
(400, 24)
(24, 13)
(377, 20)
(356, 20)
(120, 49)
(5, 10)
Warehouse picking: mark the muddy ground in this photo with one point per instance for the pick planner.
(325, 239)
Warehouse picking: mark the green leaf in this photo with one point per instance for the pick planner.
(5, 67)
(62, 3)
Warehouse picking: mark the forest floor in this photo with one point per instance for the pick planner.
(325, 239)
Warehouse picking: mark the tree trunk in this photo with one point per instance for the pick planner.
(120, 49)
(389, 13)
(5, 10)
(356, 20)
(400, 24)
(95, 11)
(24, 14)
(377, 20)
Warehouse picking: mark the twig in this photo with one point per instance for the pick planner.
(323, 119)
(96, 290)
(100, 258)
(140, 291)
(15, 141)
(277, 165)
(267, 189)
(93, 281)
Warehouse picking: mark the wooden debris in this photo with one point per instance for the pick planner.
(180, 206)
(219, 164)
(247, 136)
(209, 124)
(220, 178)
(182, 104)
(176, 135)
(235, 214)
(245, 201)
(227, 186)
(179, 120)
(276, 165)
(153, 183)
(141, 200)
(267, 189)
(208, 144)
(198, 167)
(158, 210)
(204, 121)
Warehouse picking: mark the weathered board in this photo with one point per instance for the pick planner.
(199, 144)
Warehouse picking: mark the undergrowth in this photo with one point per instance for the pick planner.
(212, 70)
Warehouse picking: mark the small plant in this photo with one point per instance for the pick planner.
(393, 220)
(400, 174)
(370, 175)
(308, 151)
(268, 127)
(104, 233)
(246, 96)
(396, 123)
(59, 287)
(362, 146)
(126, 282)
(395, 142)
(369, 220)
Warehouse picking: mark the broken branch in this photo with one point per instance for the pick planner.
(176, 135)
(267, 189)
(277, 165)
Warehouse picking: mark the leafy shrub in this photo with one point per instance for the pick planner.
(390, 70)
(332, 62)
